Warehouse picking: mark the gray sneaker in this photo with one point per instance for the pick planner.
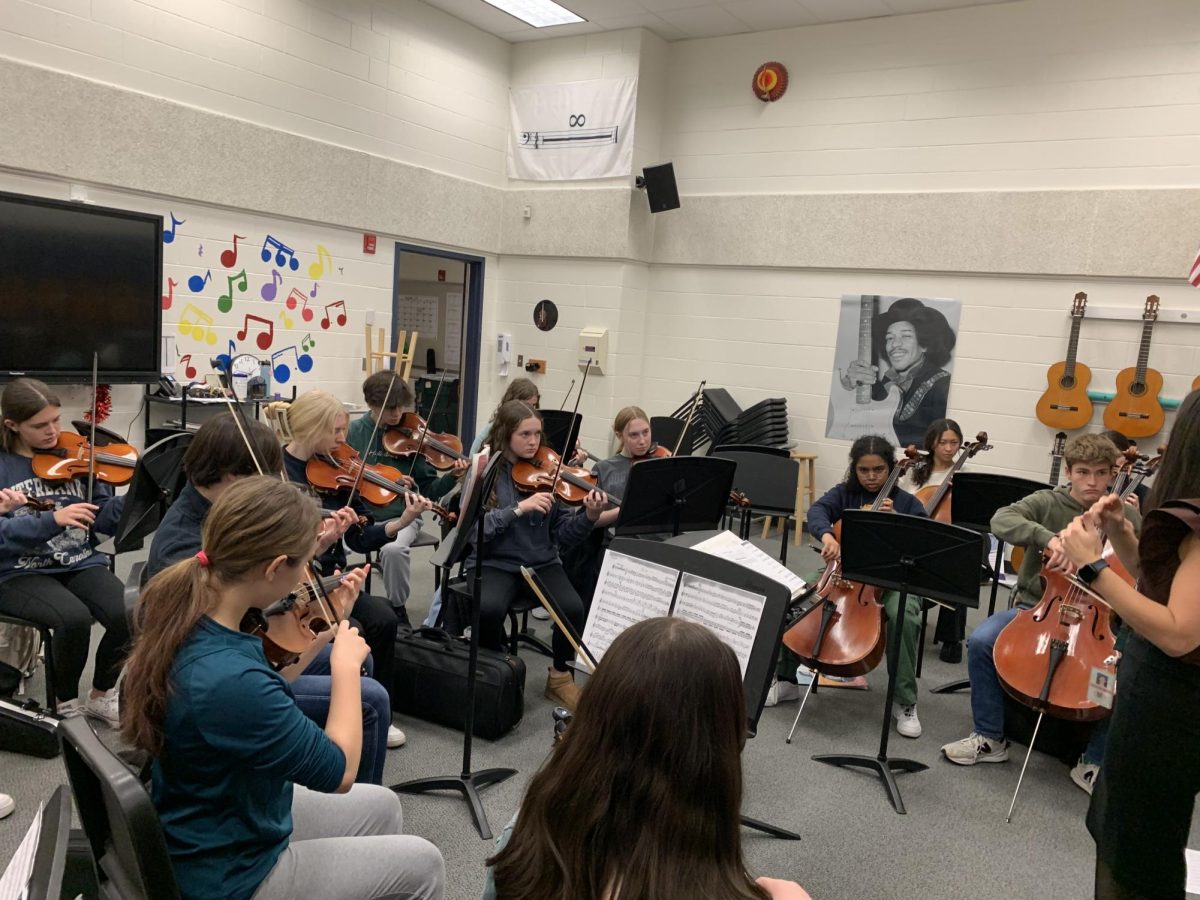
(1084, 774)
(105, 708)
(976, 749)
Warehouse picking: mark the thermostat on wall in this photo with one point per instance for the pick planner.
(593, 345)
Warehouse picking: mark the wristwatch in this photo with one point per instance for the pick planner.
(1089, 573)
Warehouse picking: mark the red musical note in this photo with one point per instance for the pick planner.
(297, 296)
(229, 257)
(189, 371)
(264, 338)
(341, 317)
(169, 297)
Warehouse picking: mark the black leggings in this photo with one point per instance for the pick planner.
(500, 588)
(67, 602)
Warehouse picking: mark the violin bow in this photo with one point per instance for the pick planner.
(567, 397)
(362, 463)
(691, 412)
(236, 411)
(92, 436)
(574, 413)
(425, 431)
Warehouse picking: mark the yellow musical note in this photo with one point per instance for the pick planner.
(287, 321)
(199, 326)
(317, 269)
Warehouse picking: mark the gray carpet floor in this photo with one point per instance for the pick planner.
(952, 845)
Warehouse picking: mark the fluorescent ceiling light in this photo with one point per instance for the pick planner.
(538, 13)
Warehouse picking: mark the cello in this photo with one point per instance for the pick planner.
(934, 496)
(850, 635)
(1044, 657)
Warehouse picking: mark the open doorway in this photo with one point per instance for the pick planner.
(439, 295)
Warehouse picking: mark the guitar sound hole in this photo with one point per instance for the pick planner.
(1137, 389)
(1066, 383)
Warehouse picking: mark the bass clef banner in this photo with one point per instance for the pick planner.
(568, 132)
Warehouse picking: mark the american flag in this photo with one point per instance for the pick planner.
(1194, 275)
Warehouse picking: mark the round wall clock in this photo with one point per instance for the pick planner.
(242, 368)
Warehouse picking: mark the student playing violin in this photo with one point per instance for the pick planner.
(245, 785)
(216, 458)
(526, 391)
(527, 530)
(317, 421)
(872, 459)
(50, 572)
(395, 557)
(634, 440)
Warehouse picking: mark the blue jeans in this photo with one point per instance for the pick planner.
(312, 696)
(987, 695)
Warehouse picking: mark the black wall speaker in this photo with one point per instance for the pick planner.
(660, 187)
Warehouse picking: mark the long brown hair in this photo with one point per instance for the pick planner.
(1178, 475)
(933, 434)
(643, 796)
(506, 421)
(253, 521)
(23, 399)
(621, 422)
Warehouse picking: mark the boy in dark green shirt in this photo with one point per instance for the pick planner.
(387, 400)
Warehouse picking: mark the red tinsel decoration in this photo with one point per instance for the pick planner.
(103, 404)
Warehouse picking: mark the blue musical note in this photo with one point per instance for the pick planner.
(197, 282)
(225, 360)
(284, 255)
(169, 233)
(281, 371)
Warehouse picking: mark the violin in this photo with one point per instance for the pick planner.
(849, 636)
(655, 451)
(412, 435)
(72, 456)
(934, 497)
(289, 627)
(537, 474)
(379, 485)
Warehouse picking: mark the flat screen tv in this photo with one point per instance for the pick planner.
(77, 279)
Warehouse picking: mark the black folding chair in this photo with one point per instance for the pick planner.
(769, 482)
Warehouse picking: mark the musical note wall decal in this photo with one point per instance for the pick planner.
(282, 373)
(297, 296)
(264, 338)
(229, 257)
(200, 250)
(313, 292)
(196, 323)
(317, 269)
(169, 297)
(287, 321)
(284, 255)
(225, 360)
(308, 343)
(225, 301)
(189, 371)
(269, 291)
(169, 233)
(341, 317)
(197, 282)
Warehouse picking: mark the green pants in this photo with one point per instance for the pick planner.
(906, 680)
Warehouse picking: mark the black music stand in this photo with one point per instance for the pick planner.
(756, 682)
(458, 544)
(973, 502)
(905, 553)
(675, 494)
(561, 430)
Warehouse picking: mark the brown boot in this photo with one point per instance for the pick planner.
(561, 689)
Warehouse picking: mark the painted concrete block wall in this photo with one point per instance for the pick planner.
(1035, 94)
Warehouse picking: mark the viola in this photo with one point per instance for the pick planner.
(935, 497)
(289, 627)
(72, 456)
(849, 636)
(412, 435)
(379, 485)
(537, 474)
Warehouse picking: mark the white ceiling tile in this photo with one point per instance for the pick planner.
(704, 21)
(657, 6)
(767, 15)
(659, 26)
(845, 10)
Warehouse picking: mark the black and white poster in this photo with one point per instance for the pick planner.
(892, 366)
(568, 132)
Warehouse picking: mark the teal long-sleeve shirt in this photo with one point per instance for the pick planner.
(429, 482)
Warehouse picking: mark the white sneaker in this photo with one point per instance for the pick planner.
(396, 737)
(1084, 774)
(976, 748)
(782, 692)
(540, 614)
(68, 709)
(907, 722)
(6, 805)
(104, 708)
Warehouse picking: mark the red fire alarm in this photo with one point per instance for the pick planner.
(368, 243)
(441, 274)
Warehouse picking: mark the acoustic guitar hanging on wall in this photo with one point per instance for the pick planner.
(1135, 410)
(1065, 404)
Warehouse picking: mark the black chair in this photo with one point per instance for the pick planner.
(750, 448)
(769, 482)
(47, 655)
(456, 606)
(118, 818)
(666, 431)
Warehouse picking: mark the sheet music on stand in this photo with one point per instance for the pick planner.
(729, 612)
(14, 885)
(729, 546)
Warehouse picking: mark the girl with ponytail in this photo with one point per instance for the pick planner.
(238, 768)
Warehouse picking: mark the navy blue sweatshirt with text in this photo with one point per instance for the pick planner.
(825, 512)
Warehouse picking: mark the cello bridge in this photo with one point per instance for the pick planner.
(1069, 615)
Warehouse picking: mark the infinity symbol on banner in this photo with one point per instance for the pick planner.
(577, 121)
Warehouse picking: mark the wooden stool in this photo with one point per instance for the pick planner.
(805, 484)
